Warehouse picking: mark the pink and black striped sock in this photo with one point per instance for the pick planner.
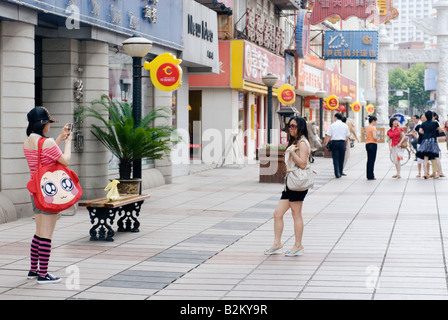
(34, 254)
(44, 256)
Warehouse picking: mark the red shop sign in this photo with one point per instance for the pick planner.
(324, 9)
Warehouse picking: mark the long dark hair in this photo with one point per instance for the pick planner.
(302, 131)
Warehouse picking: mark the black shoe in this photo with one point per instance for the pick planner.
(32, 275)
(344, 175)
(49, 278)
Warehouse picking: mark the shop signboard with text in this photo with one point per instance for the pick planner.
(200, 37)
(222, 79)
(324, 9)
(302, 33)
(258, 62)
(159, 21)
(339, 85)
(310, 78)
(351, 45)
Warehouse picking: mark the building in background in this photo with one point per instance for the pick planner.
(66, 53)
(403, 29)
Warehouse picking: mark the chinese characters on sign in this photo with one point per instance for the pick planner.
(339, 85)
(263, 33)
(258, 62)
(149, 12)
(361, 45)
(323, 9)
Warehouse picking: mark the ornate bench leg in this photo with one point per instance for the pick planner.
(128, 214)
(102, 220)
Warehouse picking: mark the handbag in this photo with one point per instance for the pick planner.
(404, 144)
(329, 145)
(54, 188)
(298, 179)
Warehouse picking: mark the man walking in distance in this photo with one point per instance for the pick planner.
(338, 133)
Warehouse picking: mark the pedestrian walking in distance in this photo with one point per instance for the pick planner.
(396, 137)
(371, 147)
(338, 134)
(429, 148)
(419, 138)
(297, 149)
(39, 121)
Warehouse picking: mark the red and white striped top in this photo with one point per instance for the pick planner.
(49, 156)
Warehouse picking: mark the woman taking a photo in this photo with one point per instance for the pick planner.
(39, 121)
(298, 151)
(396, 138)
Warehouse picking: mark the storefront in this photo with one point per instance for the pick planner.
(63, 54)
(200, 56)
(234, 102)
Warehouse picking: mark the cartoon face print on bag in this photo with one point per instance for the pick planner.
(58, 188)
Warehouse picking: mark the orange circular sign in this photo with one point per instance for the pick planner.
(286, 94)
(332, 102)
(370, 109)
(168, 74)
(356, 107)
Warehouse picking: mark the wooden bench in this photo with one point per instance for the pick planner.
(102, 215)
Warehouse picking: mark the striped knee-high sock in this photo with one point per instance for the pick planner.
(44, 256)
(34, 254)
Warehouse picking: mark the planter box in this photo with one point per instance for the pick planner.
(272, 165)
(132, 186)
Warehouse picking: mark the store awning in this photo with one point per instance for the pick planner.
(219, 6)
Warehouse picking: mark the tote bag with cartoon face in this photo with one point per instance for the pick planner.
(55, 188)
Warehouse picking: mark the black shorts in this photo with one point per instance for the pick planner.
(294, 196)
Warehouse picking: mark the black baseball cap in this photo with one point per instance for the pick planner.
(40, 114)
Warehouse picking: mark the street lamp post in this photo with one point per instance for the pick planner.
(347, 100)
(270, 80)
(321, 95)
(137, 48)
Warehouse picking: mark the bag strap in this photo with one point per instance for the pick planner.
(308, 163)
(40, 144)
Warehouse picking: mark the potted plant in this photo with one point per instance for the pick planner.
(126, 141)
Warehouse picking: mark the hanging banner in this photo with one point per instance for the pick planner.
(332, 102)
(166, 73)
(286, 94)
(302, 34)
(351, 45)
(324, 9)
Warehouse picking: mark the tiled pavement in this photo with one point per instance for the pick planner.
(203, 237)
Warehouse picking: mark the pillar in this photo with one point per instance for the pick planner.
(61, 59)
(95, 156)
(382, 79)
(442, 45)
(16, 100)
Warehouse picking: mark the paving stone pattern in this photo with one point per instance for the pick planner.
(203, 236)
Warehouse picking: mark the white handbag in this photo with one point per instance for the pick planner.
(299, 179)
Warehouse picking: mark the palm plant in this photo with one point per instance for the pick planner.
(127, 141)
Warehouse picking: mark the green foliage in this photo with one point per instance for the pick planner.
(413, 79)
(126, 142)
